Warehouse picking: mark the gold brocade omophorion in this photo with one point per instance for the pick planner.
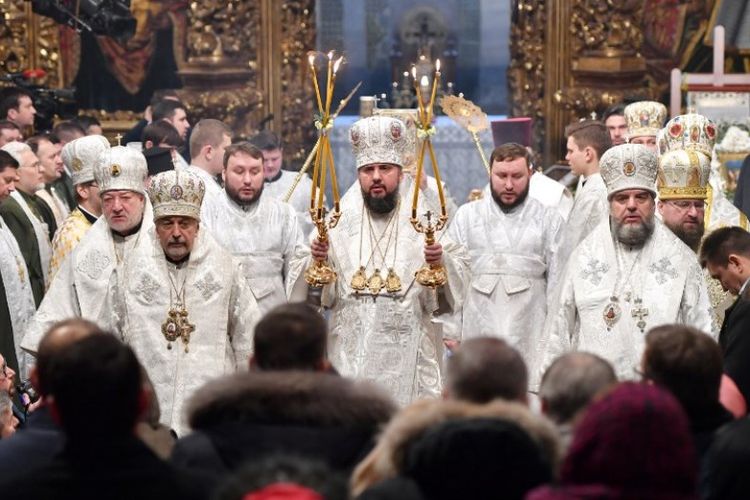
(66, 238)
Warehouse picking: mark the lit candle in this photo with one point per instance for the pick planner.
(311, 59)
(418, 178)
(329, 83)
(435, 85)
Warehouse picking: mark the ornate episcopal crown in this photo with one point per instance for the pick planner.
(685, 164)
(378, 139)
(81, 154)
(628, 166)
(121, 167)
(691, 132)
(645, 118)
(176, 192)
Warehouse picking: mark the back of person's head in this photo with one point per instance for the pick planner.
(165, 109)
(161, 132)
(10, 98)
(571, 382)
(266, 141)
(86, 121)
(590, 133)
(486, 368)
(728, 460)
(475, 458)
(68, 131)
(283, 477)
(290, 337)
(208, 132)
(633, 442)
(7, 124)
(723, 242)
(7, 160)
(686, 362)
(97, 388)
(60, 336)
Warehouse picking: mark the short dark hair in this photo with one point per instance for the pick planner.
(165, 109)
(159, 132)
(266, 141)
(614, 110)
(35, 140)
(5, 124)
(686, 362)
(486, 368)
(571, 382)
(7, 160)
(510, 151)
(97, 387)
(243, 148)
(86, 121)
(10, 98)
(163, 95)
(68, 131)
(590, 133)
(721, 243)
(290, 337)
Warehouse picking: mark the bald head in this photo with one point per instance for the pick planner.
(58, 337)
(571, 382)
(483, 369)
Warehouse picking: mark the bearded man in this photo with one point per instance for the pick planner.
(629, 275)
(259, 230)
(515, 243)
(381, 323)
(180, 302)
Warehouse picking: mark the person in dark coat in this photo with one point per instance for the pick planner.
(98, 397)
(742, 193)
(725, 253)
(290, 402)
(728, 461)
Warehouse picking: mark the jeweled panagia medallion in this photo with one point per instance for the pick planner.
(375, 282)
(359, 280)
(612, 312)
(392, 282)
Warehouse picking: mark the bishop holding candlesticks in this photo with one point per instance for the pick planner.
(381, 326)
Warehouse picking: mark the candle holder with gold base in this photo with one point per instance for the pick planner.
(320, 273)
(430, 275)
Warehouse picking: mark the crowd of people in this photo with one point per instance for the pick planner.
(159, 339)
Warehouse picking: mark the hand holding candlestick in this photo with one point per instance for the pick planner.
(320, 273)
(433, 274)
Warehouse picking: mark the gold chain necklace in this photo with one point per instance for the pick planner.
(177, 325)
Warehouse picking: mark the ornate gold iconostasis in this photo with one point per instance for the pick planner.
(238, 61)
(241, 60)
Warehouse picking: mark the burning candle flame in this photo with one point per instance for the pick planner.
(425, 82)
(437, 65)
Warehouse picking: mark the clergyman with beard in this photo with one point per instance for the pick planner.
(260, 231)
(515, 246)
(629, 275)
(380, 323)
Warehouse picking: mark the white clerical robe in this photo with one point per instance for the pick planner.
(300, 199)
(388, 338)
(657, 284)
(264, 237)
(18, 295)
(80, 285)
(219, 306)
(551, 193)
(515, 262)
(590, 208)
(213, 189)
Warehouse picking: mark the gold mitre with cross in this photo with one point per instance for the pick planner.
(121, 168)
(80, 155)
(628, 166)
(645, 118)
(378, 139)
(690, 132)
(176, 193)
(683, 175)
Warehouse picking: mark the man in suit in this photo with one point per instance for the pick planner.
(725, 253)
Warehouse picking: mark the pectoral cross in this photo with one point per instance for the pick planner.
(118, 138)
(639, 312)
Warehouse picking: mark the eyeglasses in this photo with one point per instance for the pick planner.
(684, 205)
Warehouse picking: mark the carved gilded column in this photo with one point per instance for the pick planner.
(29, 41)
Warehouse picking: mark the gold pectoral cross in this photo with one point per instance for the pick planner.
(639, 312)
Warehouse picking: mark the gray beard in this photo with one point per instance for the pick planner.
(634, 236)
(384, 205)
